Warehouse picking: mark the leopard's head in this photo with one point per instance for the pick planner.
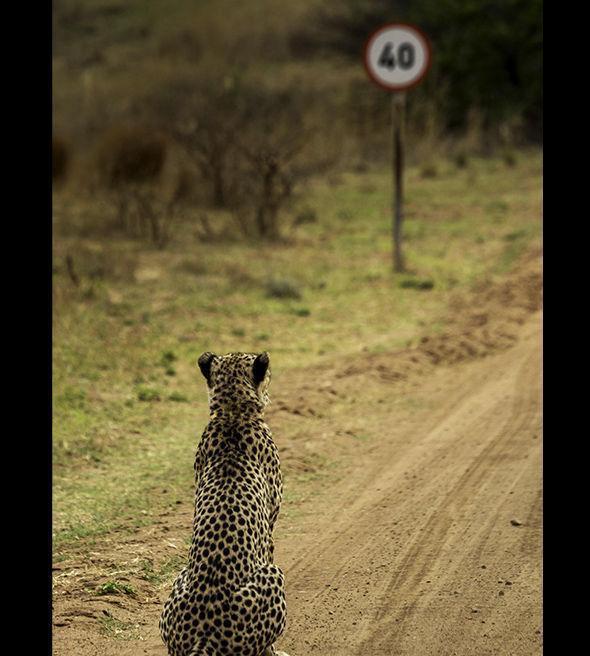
(236, 381)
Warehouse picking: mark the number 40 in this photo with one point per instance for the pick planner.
(405, 58)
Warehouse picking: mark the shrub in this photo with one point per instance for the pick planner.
(177, 397)
(306, 215)
(201, 114)
(130, 162)
(461, 160)
(429, 170)
(130, 154)
(301, 312)
(148, 394)
(509, 158)
(282, 288)
(514, 236)
(250, 142)
(272, 158)
(168, 357)
(416, 283)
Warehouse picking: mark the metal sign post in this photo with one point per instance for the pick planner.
(398, 118)
(397, 57)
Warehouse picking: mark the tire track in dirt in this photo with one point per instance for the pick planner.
(434, 539)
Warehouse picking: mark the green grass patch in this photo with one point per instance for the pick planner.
(124, 429)
(168, 357)
(115, 628)
(177, 397)
(114, 587)
(421, 284)
(301, 312)
(282, 288)
(148, 394)
(513, 236)
(170, 569)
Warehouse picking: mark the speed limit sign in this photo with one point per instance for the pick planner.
(397, 56)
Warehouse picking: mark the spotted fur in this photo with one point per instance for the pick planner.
(230, 598)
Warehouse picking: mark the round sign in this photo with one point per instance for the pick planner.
(397, 56)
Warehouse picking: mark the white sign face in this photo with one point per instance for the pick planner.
(397, 56)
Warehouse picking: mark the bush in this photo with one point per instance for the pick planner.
(129, 154)
(275, 156)
(177, 397)
(428, 170)
(509, 158)
(461, 160)
(148, 394)
(201, 114)
(416, 283)
(130, 162)
(250, 142)
(168, 357)
(301, 312)
(306, 215)
(282, 288)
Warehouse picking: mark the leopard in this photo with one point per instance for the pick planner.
(229, 599)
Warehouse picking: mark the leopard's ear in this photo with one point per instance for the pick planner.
(204, 363)
(260, 367)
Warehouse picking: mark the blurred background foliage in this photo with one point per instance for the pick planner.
(162, 106)
(487, 55)
(222, 182)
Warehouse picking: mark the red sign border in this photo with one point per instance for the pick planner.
(404, 87)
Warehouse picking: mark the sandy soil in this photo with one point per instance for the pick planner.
(427, 542)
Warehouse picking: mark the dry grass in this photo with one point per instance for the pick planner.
(127, 336)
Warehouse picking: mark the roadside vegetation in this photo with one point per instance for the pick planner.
(129, 403)
(222, 182)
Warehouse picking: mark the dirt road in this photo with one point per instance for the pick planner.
(431, 545)
(428, 541)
